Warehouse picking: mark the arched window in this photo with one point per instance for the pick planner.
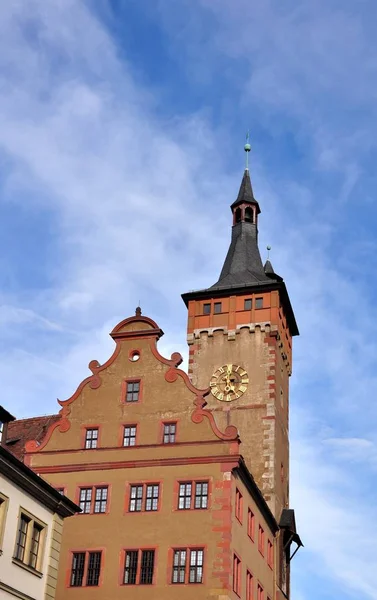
(238, 215)
(249, 215)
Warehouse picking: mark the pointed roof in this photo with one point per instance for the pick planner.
(243, 264)
(243, 270)
(246, 193)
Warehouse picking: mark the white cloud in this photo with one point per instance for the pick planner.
(140, 212)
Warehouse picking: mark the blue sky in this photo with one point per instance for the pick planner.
(121, 132)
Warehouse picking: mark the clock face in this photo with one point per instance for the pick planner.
(229, 382)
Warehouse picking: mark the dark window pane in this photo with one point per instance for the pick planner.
(258, 302)
(133, 390)
(206, 309)
(248, 304)
(147, 564)
(94, 568)
(179, 566)
(184, 499)
(130, 567)
(217, 307)
(77, 574)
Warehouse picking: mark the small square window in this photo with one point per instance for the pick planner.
(133, 391)
(217, 307)
(91, 439)
(129, 435)
(170, 430)
(206, 309)
(248, 303)
(258, 302)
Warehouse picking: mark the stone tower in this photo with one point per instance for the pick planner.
(240, 343)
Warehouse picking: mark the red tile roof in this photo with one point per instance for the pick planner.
(22, 430)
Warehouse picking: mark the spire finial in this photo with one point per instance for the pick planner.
(247, 149)
(138, 311)
(268, 252)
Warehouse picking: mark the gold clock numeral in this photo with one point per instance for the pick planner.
(243, 388)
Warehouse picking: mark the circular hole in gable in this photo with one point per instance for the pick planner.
(134, 355)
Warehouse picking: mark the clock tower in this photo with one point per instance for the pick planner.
(240, 344)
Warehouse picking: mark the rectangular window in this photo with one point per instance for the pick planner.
(239, 505)
(147, 566)
(250, 524)
(144, 497)
(93, 562)
(100, 502)
(91, 439)
(270, 554)
(77, 573)
(151, 502)
(138, 567)
(130, 567)
(249, 586)
(261, 540)
(86, 500)
(258, 302)
(133, 391)
(193, 494)
(29, 541)
(60, 490)
(248, 304)
(206, 309)
(94, 568)
(136, 498)
(236, 575)
(184, 499)
(34, 546)
(93, 500)
(260, 593)
(217, 308)
(188, 571)
(196, 566)
(129, 435)
(201, 494)
(179, 566)
(170, 430)
(23, 527)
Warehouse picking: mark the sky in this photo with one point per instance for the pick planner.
(122, 124)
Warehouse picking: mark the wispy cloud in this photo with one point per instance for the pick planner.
(119, 203)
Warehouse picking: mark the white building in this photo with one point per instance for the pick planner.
(31, 522)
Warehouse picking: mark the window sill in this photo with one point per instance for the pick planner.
(27, 567)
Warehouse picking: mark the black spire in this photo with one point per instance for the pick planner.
(243, 263)
(243, 270)
(245, 193)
